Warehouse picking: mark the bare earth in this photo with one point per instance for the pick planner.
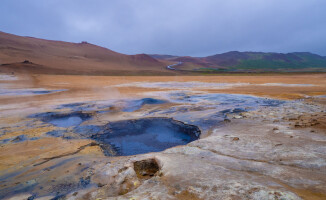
(263, 152)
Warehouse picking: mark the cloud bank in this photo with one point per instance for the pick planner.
(176, 27)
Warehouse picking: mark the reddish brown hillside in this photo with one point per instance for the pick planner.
(80, 58)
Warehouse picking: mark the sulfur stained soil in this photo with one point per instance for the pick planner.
(266, 143)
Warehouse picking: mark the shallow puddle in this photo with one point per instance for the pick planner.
(66, 121)
(63, 119)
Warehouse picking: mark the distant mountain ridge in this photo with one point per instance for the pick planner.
(242, 61)
(58, 57)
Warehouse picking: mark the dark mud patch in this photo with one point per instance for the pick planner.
(66, 121)
(89, 130)
(71, 105)
(17, 139)
(232, 111)
(139, 136)
(209, 111)
(137, 104)
(221, 100)
(86, 106)
(128, 105)
(63, 119)
(4, 141)
(23, 92)
(56, 133)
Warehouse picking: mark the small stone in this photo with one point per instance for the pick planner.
(100, 185)
(293, 118)
(31, 198)
(237, 117)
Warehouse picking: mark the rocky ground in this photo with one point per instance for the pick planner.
(264, 149)
(262, 155)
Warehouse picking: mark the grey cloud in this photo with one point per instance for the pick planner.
(180, 27)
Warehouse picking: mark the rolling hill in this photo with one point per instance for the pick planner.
(253, 62)
(33, 55)
(57, 57)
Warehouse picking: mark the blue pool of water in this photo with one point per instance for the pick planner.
(62, 119)
(131, 137)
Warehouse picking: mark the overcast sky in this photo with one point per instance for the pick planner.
(177, 27)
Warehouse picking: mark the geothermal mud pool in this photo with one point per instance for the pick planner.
(179, 144)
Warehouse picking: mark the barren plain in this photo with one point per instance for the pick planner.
(162, 137)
